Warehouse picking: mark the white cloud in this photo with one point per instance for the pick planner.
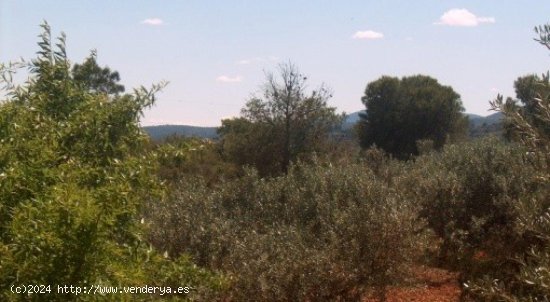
(227, 79)
(153, 21)
(367, 34)
(462, 17)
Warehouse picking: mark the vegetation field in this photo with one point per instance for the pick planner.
(412, 201)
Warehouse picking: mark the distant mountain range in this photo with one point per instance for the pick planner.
(479, 126)
(162, 131)
(351, 120)
(478, 120)
(484, 125)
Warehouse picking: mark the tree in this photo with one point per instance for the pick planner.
(283, 124)
(401, 112)
(529, 89)
(525, 88)
(96, 79)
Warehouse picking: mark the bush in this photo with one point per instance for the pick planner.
(319, 233)
(467, 193)
(73, 178)
(529, 277)
(489, 202)
(181, 157)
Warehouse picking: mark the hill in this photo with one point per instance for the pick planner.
(484, 125)
(351, 119)
(162, 131)
(479, 126)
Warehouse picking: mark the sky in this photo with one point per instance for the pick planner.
(215, 54)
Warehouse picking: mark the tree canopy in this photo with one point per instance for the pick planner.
(94, 78)
(530, 89)
(282, 124)
(400, 112)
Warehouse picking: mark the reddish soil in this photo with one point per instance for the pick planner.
(433, 285)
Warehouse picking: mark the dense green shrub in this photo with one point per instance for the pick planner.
(73, 178)
(183, 157)
(322, 232)
(529, 278)
(489, 202)
(467, 193)
(486, 201)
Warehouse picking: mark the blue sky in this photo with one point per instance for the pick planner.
(215, 53)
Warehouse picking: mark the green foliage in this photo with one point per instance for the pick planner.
(529, 89)
(487, 203)
(403, 111)
(73, 177)
(93, 78)
(182, 157)
(82, 204)
(280, 126)
(468, 192)
(246, 143)
(529, 278)
(322, 232)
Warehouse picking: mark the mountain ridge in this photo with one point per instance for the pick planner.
(479, 126)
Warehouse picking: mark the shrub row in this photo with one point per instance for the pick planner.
(320, 233)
